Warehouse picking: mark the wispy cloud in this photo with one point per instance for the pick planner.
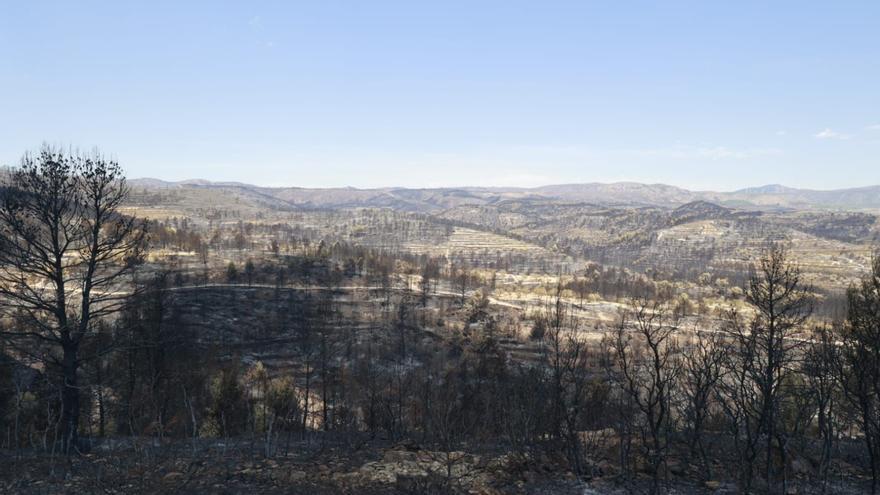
(829, 133)
(255, 24)
(875, 127)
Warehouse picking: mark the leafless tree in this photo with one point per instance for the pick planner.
(761, 363)
(820, 365)
(567, 359)
(702, 367)
(646, 353)
(461, 280)
(860, 362)
(65, 253)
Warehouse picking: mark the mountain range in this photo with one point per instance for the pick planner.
(769, 197)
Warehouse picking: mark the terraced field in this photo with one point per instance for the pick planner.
(463, 240)
(480, 248)
(825, 262)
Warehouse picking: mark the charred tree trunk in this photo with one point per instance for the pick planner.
(70, 400)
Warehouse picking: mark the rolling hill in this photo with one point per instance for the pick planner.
(768, 197)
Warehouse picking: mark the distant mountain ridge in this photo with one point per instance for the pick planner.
(773, 196)
(768, 189)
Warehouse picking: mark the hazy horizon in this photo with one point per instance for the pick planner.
(471, 186)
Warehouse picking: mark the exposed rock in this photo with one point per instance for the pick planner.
(173, 476)
(296, 475)
(399, 456)
(723, 488)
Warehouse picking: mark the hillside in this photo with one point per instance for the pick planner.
(631, 193)
(669, 231)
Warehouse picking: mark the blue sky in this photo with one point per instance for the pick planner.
(703, 94)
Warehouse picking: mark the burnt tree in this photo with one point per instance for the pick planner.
(65, 253)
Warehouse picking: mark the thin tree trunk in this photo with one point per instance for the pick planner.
(70, 400)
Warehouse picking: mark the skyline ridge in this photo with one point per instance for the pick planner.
(768, 188)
